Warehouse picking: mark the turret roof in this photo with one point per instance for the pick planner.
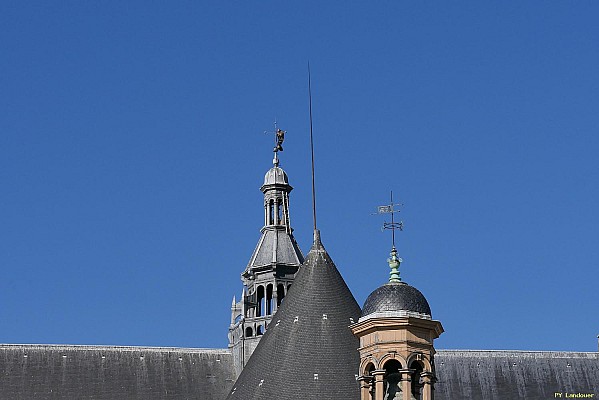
(276, 246)
(395, 298)
(308, 351)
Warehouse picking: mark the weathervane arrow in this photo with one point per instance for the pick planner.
(391, 209)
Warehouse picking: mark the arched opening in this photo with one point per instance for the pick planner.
(249, 332)
(280, 209)
(269, 300)
(271, 212)
(280, 293)
(369, 380)
(392, 379)
(260, 330)
(418, 367)
(246, 299)
(261, 302)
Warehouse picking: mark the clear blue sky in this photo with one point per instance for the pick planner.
(132, 152)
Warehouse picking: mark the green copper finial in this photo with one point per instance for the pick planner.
(394, 262)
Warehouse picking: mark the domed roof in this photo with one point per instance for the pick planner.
(397, 299)
(276, 175)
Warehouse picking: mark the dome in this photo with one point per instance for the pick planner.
(397, 299)
(275, 176)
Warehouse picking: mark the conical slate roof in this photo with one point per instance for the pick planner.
(308, 351)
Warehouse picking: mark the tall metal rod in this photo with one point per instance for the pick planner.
(392, 221)
(312, 148)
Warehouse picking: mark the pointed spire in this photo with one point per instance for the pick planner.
(308, 348)
(312, 149)
(234, 302)
(317, 238)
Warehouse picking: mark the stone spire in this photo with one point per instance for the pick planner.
(270, 271)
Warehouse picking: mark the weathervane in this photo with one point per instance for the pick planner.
(390, 209)
(394, 260)
(279, 138)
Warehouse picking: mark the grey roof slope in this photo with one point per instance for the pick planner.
(308, 351)
(500, 375)
(275, 246)
(32, 372)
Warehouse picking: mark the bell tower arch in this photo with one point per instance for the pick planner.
(396, 333)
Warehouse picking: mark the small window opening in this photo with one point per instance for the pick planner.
(370, 379)
(269, 300)
(261, 302)
(280, 216)
(271, 206)
(280, 293)
(392, 380)
(417, 384)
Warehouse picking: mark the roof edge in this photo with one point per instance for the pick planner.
(112, 348)
(462, 352)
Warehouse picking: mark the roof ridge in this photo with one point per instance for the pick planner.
(449, 351)
(109, 347)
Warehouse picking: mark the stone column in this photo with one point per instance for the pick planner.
(265, 214)
(406, 383)
(365, 387)
(379, 385)
(428, 379)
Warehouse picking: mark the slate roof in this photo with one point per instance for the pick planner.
(275, 246)
(500, 375)
(35, 372)
(396, 296)
(308, 351)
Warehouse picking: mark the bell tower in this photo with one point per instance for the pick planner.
(396, 333)
(271, 269)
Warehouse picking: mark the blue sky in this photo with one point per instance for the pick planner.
(132, 152)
